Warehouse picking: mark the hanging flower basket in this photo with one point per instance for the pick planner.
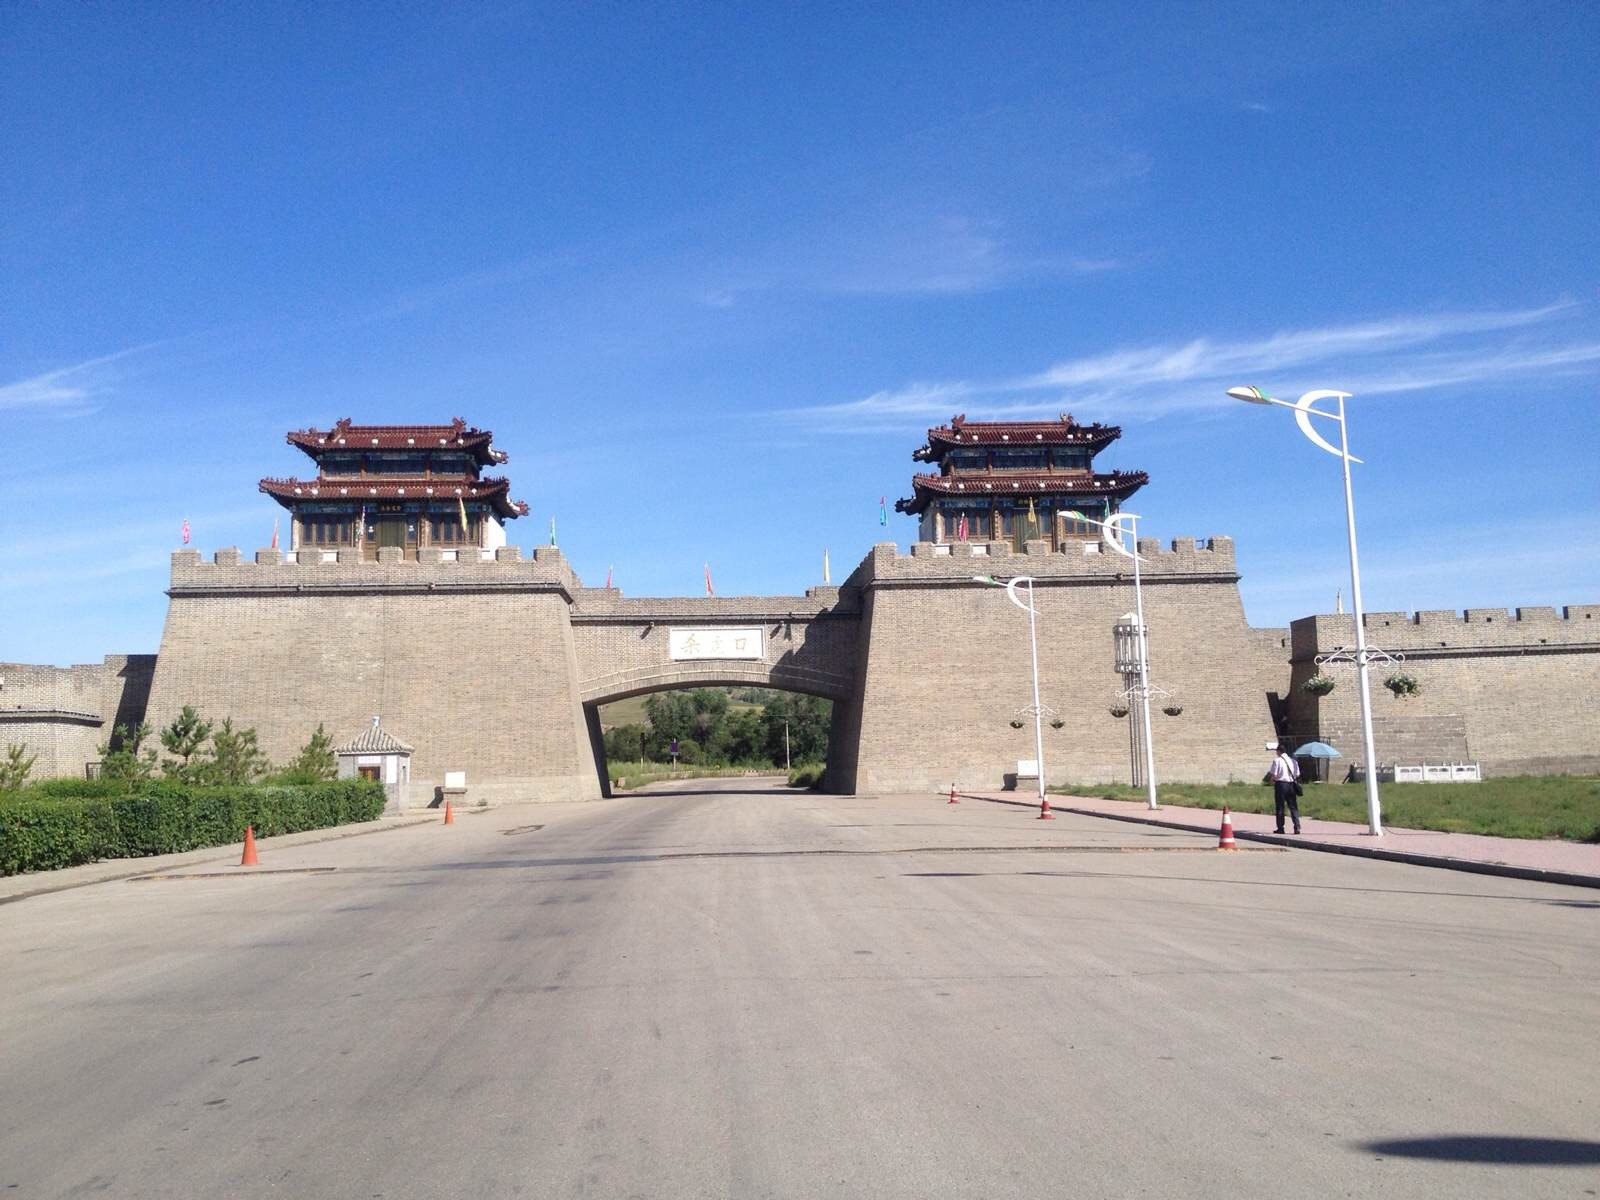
(1056, 723)
(1016, 723)
(1318, 685)
(1403, 686)
(1172, 710)
(1119, 710)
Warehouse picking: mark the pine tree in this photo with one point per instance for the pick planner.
(124, 756)
(316, 761)
(15, 769)
(235, 757)
(185, 738)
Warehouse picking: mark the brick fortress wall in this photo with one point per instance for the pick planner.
(946, 666)
(497, 668)
(471, 662)
(63, 715)
(1518, 692)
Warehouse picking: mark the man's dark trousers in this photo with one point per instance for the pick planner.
(1282, 794)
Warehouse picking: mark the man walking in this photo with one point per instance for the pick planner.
(1285, 776)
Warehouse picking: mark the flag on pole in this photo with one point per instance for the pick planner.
(826, 577)
(552, 530)
(608, 578)
(274, 533)
(710, 591)
(461, 507)
(883, 510)
(1033, 517)
(186, 531)
(961, 528)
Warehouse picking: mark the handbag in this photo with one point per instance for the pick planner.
(1298, 790)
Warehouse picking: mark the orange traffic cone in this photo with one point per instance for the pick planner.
(449, 814)
(248, 859)
(1226, 842)
(1044, 810)
(953, 799)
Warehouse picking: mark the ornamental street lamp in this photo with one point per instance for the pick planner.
(1117, 532)
(1303, 412)
(1033, 644)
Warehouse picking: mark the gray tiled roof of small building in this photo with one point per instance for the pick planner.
(373, 740)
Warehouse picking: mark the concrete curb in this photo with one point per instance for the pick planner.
(1472, 866)
(332, 834)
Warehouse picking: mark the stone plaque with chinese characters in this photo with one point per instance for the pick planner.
(716, 643)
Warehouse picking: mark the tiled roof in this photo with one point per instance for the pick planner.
(347, 435)
(288, 492)
(1061, 432)
(1120, 484)
(373, 740)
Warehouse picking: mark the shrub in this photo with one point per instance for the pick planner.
(1318, 685)
(54, 825)
(807, 775)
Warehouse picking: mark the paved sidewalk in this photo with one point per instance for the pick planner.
(1521, 858)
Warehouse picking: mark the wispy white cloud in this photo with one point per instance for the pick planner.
(69, 391)
(1408, 573)
(1393, 355)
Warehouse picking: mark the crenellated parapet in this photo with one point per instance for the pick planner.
(1088, 562)
(1443, 632)
(228, 572)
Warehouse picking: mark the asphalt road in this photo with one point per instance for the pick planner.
(734, 990)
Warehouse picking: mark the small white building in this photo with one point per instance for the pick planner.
(375, 753)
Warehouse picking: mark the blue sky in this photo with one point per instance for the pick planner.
(710, 275)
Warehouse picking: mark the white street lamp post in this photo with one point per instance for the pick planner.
(1303, 412)
(1113, 532)
(1033, 644)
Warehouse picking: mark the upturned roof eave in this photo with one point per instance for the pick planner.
(496, 492)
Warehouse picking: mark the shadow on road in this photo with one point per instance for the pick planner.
(1490, 1148)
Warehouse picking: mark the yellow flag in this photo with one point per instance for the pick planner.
(462, 505)
(1033, 517)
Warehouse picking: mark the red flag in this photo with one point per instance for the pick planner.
(608, 577)
(710, 591)
(961, 528)
(274, 533)
(186, 531)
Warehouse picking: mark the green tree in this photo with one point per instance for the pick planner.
(671, 715)
(235, 757)
(625, 744)
(809, 720)
(746, 739)
(16, 768)
(125, 756)
(316, 761)
(185, 740)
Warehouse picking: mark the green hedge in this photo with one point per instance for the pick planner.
(51, 825)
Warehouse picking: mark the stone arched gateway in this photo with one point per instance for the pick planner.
(630, 647)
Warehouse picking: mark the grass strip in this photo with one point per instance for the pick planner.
(1519, 806)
